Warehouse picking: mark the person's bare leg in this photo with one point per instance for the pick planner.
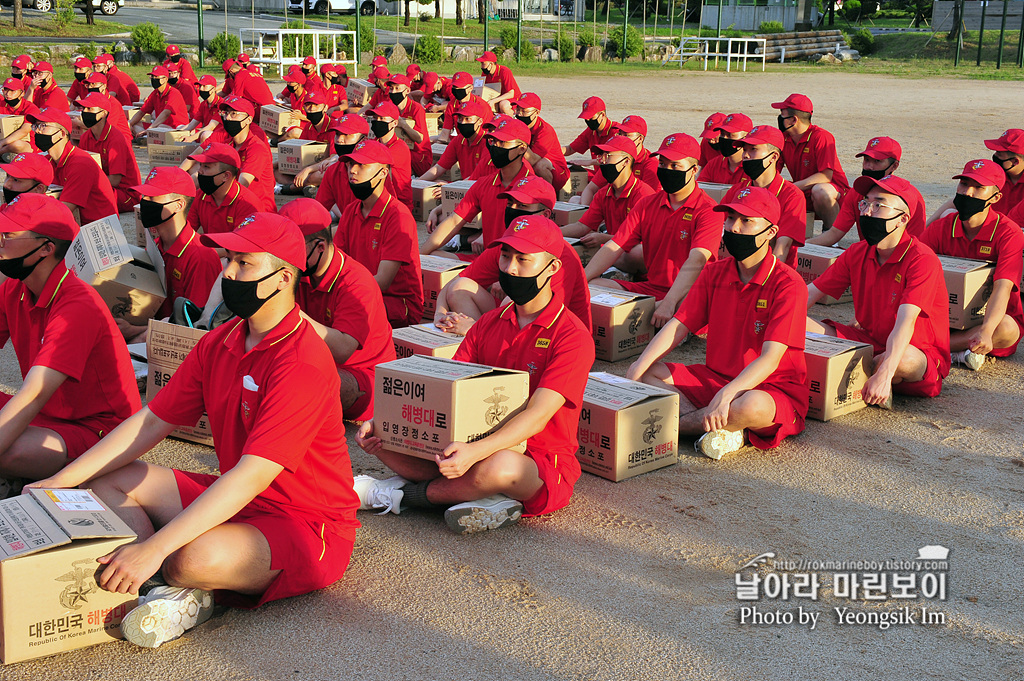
(606, 283)
(505, 472)
(143, 495)
(470, 298)
(37, 454)
(826, 204)
(814, 326)
(350, 391)
(232, 556)
(1006, 334)
(912, 366)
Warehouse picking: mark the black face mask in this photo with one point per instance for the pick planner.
(397, 98)
(874, 229)
(308, 72)
(1002, 163)
(754, 167)
(673, 180)
(156, 83)
(10, 194)
(782, 123)
(241, 297)
(311, 270)
(315, 117)
(344, 149)
(514, 213)
(232, 128)
(13, 103)
(877, 174)
(15, 268)
(742, 246)
(593, 124)
(80, 75)
(18, 75)
(484, 71)
(207, 185)
(205, 95)
(151, 213)
(525, 120)
(176, 58)
(96, 90)
(968, 206)
(728, 147)
(90, 118)
(363, 190)
(293, 87)
(380, 128)
(460, 93)
(522, 289)
(173, 81)
(45, 142)
(467, 130)
(500, 156)
(610, 171)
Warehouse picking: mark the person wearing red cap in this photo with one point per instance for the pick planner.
(469, 147)
(247, 84)
(335, 83)
(613, 202)
(676, 226)
(379, 77)
(294, 91)
(811, 158)
(206, 116)
(97, 87)
(79, 89)
(225, 203)
(331, 177)
(45, 92)
(117, 158)
(599, 129)
(164, 104)
(976, 230)
(477, 289)
(26, 173)
(20, 67)
(762, 152)
(379, 231)
(461, 93)
(645, 165)
(544, 142)
(508, 90)
(708, 136)
(880, 157)
(176, 61)
(344, 305)
(412, 122)
(315, 126)
(415, 75)
(1009, 154)
(257, 162)
(313, 82)
(186, 88)
(485, 484)
(899, 296)
(727, 167)
(15, 102)
(79, 384)
(383, 121)
(119, 83)
(379, 60)
(87, 193)
(754, 382)
(280, 519)
(508, 142)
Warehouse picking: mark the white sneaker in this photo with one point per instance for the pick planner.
(165, 613)
(490, 513)
(971, 360)
(718, 443)
(278, 188)
(374, 493)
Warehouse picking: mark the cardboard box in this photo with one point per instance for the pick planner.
(425, 339)
(294, 155)
(359, 91)
(578, 181)
(810, 225)
(167, 345)
(715, 190)
(811, 263)
(77, 127)
(433, 122)
(170, 154)
(128, 278)
(423, 200)
(627, 428)
(423, 404)
(436, 272)
(140, 230)
(622, 322)
(566, 213)
(451, 194)
(585, 252)
(165, 134)
(96, 157)
(50, 601)
(485, 92)
(275, 119)
(130, 111)
(9, 123)
(836, 372)
(969, 284)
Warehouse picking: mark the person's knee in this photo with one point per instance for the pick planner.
(502, 470)
(350, 391)
(754, 409)
(187, 565)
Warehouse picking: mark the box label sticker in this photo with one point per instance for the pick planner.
(74, 500)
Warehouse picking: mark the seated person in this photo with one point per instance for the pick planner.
(469, 147)
(600, 128)
(383, 121)
(26, 173)
(645, 165)
(544, 142)
(333, 191)
(117, 158)
(315, 127)
(709, 136)
(164, 104)
(727, 166)
(412, 122)
(17, 103)
(755, 379)
(225, 202)
(484, 484)
(206, 116)
(499, 75)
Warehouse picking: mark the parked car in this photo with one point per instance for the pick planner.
(108, 7)
(366, 7)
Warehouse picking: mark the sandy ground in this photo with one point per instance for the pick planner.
(636, 580)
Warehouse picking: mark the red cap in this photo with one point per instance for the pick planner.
(631, 124)
(533, 234)
(95, 77)
(474, 107)
(765, 134)
(340, 68)
(218, 153)
(678, 146)
(350, 124)
(797, 102)
(386, 110)
(413, 70)
(398, 79)
(264, 233)
(528, 100)
(207, 80)
(487, 56)
(104, 58)
(714, 120)
(736, 122)
(167, 180)
(43, 66)
(295, 76)
(83, 63)
(381, 73)
(173, 68)
(228, 65)
(159, 71)
(40, 214)
(309, 61)
(591, 107)
(1011, 140)
(507, 129)
(308, 214)
(242, 58)
(618, 143)
(890, 184)
(51, 115)
(531, 189)
(985, 172)
(94, 99)
(462, 79)
(315, 97)
(30, 167)
(22, 61)
(172, 50)
(237, 104)
(753, 202)
(370, 151)
(379, 60)
(14, 84)
(327, 68)
(882, 147)
(429, 81)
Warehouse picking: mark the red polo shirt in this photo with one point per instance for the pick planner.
(191, 270)
(51, 96)
(792, 213)
(77, 90)
(320, 133)
(184, 66)
(24, 108)
(468, 155)
(422, 155)
(669, 235)
(239, 203)
(717, 170)
(334, 190)
(588, 139)
(612, 210)
(118, 158)
(292, 417)
(814, 152)
(69, 329)
(399, 181)
(503, 75)
(770, 307)
(849, 212)
(254, 152)
(349, 300)
(912, 275)
(453, 104)
(558, 351)
(170, 99)
(1013, 195)
(84, 184)
(482, 197)
(250, 85)
(569, 280)
(336, 96)
(188, 93)
(115, 114)
(645, 167)
(387, 233)
(126, 91)
(544, 142)
(208, 111)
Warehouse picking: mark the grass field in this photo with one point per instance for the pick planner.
(43, 26)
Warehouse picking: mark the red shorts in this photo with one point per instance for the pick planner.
(929, 386)
(362, 409)
(78, 436)
(559, 473)
(1010, 350)
(399, 312)
(644, 287)
(310, 555)
(699, 385)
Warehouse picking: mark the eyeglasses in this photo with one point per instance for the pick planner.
(233, 115)
(866, 206)
(6, 236)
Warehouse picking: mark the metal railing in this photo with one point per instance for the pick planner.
(257, 40)
(691, 47)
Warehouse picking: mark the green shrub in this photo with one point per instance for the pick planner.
(566, 47)
(428, 50)
(732, 32)
(771, 27)
(588, 38)
(851, 9)
(633, 46)
(367, 40)
(862, 41)
(148, 37)
(528, 52)
(64, 14)
(508, 38)
(88, 50)
(224, 46)
(305, 42)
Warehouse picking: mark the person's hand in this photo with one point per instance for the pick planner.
(127, 329)
(478, 244)
(457, 458)
(365, 438)
(663, 312)
(435, 192)
(877, 389)
(434, 219)
(980, 342)
(53, 482)
(595, 239)
(717, 416)
(302, 175)
(129, 566)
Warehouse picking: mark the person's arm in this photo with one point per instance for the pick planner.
(19, 134)
(830, 238)
(115, 180)
(587, 197)
(386, 271)
(688, 274)
(459, 457)
(782, 246)
(602, 260)
(878, 387)
(245, 179)
(74, 211)
(753, 375)
(433, 173)
(159, 120)
(440, 235)
(410, 130)
(981, 338)
(942, 210)
(819, 177)
(39, 386)
(813, 295)
(670, 335)
(340, 344)
(575, 229)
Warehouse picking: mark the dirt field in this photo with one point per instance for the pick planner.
(636, 580)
